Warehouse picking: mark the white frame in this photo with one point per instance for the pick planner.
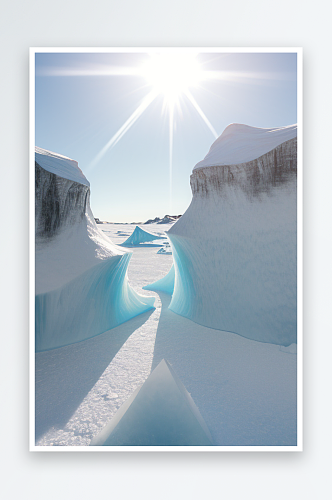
(299, 52)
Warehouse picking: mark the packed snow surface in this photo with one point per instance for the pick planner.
(242, 143)
(60, 165)
(244, 390)
(160, 413)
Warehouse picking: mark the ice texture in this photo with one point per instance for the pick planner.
(140, 236)
(160, 413)
(60, 165)
(81, 283)
(90, 304)
(241, 143)
(234, 249)
(165, 284)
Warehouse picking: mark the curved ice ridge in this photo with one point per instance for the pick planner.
(81, 284)
(165, 284)
(234, 248)
(90, 304)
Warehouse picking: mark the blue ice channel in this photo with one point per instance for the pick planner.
(94, 302)
(165, 284)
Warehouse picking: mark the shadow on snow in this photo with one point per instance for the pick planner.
(245, 390)
(64, 376)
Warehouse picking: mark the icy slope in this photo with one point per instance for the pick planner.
(160, 413)
(92, 303)
(165, 284)
(140, 236)
(81, 284)
(235, 247)
(242, 143)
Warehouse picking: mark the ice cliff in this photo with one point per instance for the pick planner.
(81, 277)
(234, 248)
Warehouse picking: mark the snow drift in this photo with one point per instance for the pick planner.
(235, 247)
(140, 236)
(81, 283)
(160, 413)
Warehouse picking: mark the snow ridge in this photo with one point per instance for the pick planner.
(241, 143)
(60, 165)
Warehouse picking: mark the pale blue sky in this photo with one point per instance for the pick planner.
(79, 108)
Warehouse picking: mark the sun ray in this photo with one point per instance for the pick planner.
(201, 114)
(252, 77)
(171, 131)
(96, 70)
(124, 129)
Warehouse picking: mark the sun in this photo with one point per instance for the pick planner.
(172, 74)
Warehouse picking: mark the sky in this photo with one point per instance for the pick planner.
(137, 122)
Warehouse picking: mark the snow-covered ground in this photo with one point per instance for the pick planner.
(245, 390)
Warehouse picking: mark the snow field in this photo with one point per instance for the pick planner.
(245, 390)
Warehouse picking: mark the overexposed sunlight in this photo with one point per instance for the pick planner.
(171, 74)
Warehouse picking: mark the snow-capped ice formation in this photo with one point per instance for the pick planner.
(81, 283)
(165, 284)
(60, 165)
(241, 143)
(235, 247)
(160, 413)
(140, 236)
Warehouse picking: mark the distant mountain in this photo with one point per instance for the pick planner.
(167, 219)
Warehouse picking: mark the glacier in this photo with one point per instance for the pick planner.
(160, 413)
(139, 237)
(235, 248)
(81, 285)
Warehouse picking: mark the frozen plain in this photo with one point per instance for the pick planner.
(245, 390)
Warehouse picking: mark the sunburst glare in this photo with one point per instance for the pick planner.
(172, 74)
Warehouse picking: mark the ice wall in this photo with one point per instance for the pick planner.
(94, 302)
(81, 283)
(235, 247)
